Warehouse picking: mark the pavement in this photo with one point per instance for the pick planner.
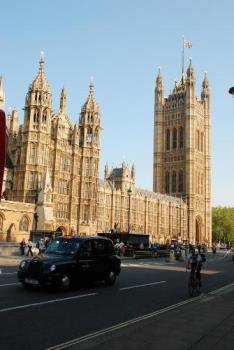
(203, 322)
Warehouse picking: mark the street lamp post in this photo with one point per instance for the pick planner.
(129, 207)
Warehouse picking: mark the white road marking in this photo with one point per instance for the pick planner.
(223, 290)
(8, 273)
(142, 285)
(9, 284)
(47, 302)
(121, 325)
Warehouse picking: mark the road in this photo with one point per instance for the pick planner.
(38, 319)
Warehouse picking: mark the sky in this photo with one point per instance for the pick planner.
(121, 44)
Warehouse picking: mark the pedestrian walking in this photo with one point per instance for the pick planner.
(22, 246)
(30, 245)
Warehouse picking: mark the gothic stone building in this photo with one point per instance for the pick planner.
(54, 172)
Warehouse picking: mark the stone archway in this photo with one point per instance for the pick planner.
(198, 230)
(11, 233)
(61, 231)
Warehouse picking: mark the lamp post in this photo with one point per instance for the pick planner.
(129, 207)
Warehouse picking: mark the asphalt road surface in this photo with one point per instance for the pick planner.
(38, 319)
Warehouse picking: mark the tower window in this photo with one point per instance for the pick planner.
(173, 185)
(167, 182)
(89, 135)
(181, 137)
(181, 181)
(167, 139)
(174, 144)
(202, 141)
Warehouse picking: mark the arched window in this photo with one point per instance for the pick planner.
(33, 153)
(198, 140)
(167, 182)
(202, 184)
(1, 221)
(173, 184)
(202, 141)
(181, 137)
(181, 181)
(23, 225)
(167, 139)
(89, 135)
(87, 169)
(174, 142)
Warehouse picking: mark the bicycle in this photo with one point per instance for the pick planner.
(194, 284)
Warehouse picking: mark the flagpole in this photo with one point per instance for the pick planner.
(183, 58)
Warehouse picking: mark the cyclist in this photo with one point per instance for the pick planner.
(194, 262)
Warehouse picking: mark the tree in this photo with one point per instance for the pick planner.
(223, 224)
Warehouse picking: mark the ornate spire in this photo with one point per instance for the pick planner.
(190, 70)
(63, 100)
(41, 82)
(90, 104)
(14, 121)
(205, 88)
(2, 94)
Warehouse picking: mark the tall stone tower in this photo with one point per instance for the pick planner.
(182, 150)
(89, 126)
(33, 153)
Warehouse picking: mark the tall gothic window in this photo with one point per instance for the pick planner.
(167, 182)
(33, 153)
(202, 141)
(174, 143)
(87, 167)
(31, 181)
(89, 135)
(23, 225)
(167, 139)
(1, 222)
(86, 213)
(181, 181)
(173, 185)
(181, 137)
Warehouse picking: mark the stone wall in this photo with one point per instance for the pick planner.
(16, 220)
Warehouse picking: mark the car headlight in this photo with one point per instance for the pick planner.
(52, 267)
(23, 264)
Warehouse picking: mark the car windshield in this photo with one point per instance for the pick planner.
(63, 247)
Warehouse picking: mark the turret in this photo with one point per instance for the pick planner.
(14, 122)
(205, 94)
(159, 89)
(90, 120)
(63, 100)
(2, 94)
(106, 171)
(38, 102)
(133, 172)
(190, 82)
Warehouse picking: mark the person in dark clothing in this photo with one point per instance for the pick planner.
(22, 246)
(30, 248)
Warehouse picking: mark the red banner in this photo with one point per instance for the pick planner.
(2, 147)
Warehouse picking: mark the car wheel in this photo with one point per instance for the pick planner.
(110, 278)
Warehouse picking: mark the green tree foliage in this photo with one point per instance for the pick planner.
(223, 224)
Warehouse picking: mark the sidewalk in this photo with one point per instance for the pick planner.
(203, 324)
(11, 260)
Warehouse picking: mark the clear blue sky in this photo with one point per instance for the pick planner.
(121, 43)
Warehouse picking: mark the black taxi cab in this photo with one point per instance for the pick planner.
(68, 261)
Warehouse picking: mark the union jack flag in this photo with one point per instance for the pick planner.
(187, 44)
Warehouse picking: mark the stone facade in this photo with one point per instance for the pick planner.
(182, 150)
(16, 220)
(56, 170)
